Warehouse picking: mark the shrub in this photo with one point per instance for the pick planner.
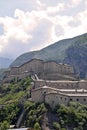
(37, 126)
(57, 126)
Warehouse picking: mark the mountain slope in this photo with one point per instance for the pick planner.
(72, 51)
(5, 62)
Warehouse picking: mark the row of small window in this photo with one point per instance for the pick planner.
(72, 99)
(77, 99)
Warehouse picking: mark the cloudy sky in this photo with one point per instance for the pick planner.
(27, 25)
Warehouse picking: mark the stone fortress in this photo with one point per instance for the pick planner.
(54, 83)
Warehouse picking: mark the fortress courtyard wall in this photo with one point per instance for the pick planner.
(55, 98)
(61, 84)
(57, 84)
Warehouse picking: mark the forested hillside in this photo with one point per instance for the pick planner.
(15, 101)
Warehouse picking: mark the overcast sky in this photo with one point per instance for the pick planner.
(27, 25)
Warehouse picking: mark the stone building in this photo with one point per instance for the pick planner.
(54, 96)
(44, 70)
(54, 83)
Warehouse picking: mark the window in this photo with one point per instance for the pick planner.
(65, 98)
(84, 99)
(70, 99)
(44, 92)
(77, 99)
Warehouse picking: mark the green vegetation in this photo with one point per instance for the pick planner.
(12, 97)
(73, 116)
(13, 100)
(9, 114)
(4, 125)
(56, 125)
(15, 91)
(37, 126)
(35, 113)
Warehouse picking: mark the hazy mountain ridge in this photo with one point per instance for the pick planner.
(72, 51)
(5, 62)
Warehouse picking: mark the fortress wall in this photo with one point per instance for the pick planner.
(57, 84)
(54, 96)
(54, 99)
(35, 66)
(83, 84)
(67, 69)
(77, 98)
(39, 66)
(19, 76)
(52, 67)
(38, 95)
(56, 76)
(14, 71)
(48, 70)
(7, 73)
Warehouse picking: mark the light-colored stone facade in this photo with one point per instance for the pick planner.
(56, 83)
(45, 70)
(54, 96)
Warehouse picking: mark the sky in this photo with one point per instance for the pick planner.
(28, 25)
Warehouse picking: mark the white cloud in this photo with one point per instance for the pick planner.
(0, 48)
(41, 26)
(55, 9)
(83, 18)
(75, 2)
(25, 27)
(49, 3)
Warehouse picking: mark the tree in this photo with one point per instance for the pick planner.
(4, 126)
(56, 125)
(37, 126)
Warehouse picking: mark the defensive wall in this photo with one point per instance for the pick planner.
(54, 96)
(45, 70)
(61, 84)
(56, 83)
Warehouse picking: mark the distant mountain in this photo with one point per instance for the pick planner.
(72, 51)
(5, 62)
